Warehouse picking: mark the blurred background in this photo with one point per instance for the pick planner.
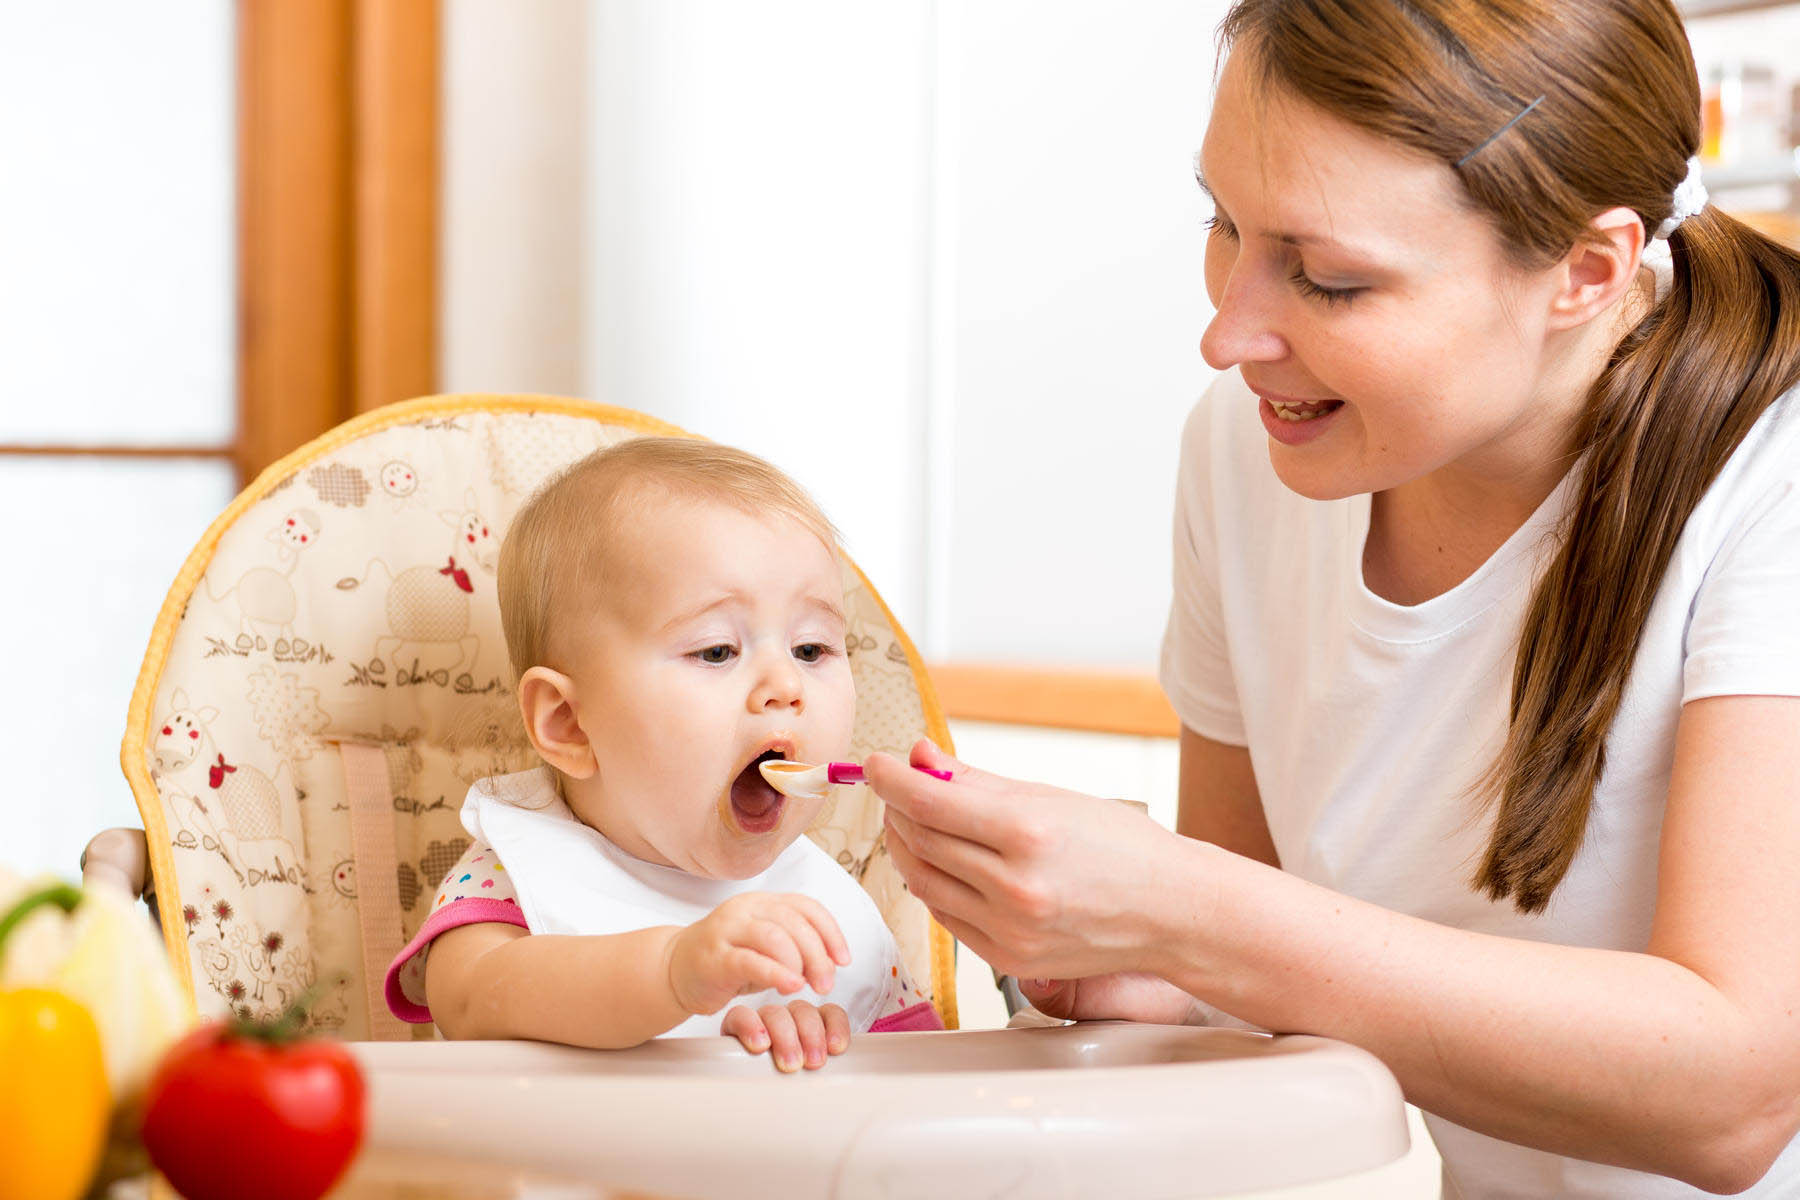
(939, 260)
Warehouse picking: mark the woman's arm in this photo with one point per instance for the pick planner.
(1219, 800)
(489, 980)
(1684, 1060)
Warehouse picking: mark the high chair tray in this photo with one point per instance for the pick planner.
(1092, 1109)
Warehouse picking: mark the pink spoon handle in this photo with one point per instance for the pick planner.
(839, 772)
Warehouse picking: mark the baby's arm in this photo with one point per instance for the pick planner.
(492, 980)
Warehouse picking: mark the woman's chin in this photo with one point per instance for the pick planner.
(1306, 477)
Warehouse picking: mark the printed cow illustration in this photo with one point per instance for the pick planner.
(428, 605)
(265, 597)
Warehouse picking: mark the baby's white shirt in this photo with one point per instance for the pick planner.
(570, 879)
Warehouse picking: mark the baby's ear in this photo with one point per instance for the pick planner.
(547, 702)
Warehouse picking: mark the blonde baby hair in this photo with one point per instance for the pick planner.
(558, 547)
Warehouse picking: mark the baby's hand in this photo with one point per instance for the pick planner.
(753, 942)
(795, 1035)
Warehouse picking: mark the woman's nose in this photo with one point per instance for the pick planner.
(778, 685)
(1242, 329)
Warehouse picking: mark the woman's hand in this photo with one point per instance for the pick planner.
(1123, 996)
(798, 1035)
(1040, 882)
(752, 942)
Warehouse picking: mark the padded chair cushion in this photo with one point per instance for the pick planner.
(348, 597)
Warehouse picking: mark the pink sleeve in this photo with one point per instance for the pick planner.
(904, 1007)
(475, 891)
(914, 1019)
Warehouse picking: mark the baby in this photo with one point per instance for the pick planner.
(674, 615)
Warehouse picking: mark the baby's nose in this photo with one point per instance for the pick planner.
(778, 686)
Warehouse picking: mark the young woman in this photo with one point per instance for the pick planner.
(1486, 631)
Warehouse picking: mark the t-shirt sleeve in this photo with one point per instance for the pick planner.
(476, 890)
(1196, 665)
(1743, 637)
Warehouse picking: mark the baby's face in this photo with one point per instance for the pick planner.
(720, 643)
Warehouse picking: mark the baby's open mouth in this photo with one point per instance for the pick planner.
(756, 806)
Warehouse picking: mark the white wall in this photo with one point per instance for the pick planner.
(1076, 307)
(939, 260)
(512, 289)
(758, 232)
(117, 324)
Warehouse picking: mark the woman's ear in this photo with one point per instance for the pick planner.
(1599, 269)
(547, 702)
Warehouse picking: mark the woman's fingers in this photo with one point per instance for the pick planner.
(926, 753)
(971, 862)
(1052, 997)
(957, 806)
(938, 890)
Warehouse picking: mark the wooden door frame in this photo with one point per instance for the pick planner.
(338, 164)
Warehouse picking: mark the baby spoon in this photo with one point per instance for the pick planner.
(809, 779)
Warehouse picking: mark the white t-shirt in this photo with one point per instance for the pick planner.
(570, 879)
(1368, 722)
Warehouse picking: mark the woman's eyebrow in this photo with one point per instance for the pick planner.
(1293, 239)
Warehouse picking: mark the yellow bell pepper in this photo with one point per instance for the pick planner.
(54, 1101)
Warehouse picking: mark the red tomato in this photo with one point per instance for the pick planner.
(228, 1115)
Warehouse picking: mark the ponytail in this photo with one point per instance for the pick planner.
(1680, 393)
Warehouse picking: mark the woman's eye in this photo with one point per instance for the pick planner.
(716, 655)
(1314, 291)
(811, 652)
(1219, 225)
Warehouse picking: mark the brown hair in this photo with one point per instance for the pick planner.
(1618, 120)
(556, 552)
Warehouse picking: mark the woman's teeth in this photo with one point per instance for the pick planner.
(1289, 410)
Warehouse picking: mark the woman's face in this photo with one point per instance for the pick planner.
(1351, 279)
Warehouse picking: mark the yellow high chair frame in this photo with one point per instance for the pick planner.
(327, 676)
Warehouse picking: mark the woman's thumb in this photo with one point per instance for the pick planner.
(925, 753)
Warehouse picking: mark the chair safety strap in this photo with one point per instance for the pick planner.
(371, 798)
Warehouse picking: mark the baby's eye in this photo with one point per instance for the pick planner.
(811, 651)
(717, 655)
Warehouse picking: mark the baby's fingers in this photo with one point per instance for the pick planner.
(837, 1028)
(743, 1024)
(769, 936)
(809, 1026)
(784, 1039)
(819, 919)
(755, 972)
(817, 963)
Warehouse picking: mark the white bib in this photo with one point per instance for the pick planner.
(570, 879)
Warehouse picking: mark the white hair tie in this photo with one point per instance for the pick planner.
(1690, 198)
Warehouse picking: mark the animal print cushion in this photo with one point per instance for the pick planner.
(348, 596)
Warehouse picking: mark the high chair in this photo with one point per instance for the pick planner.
(327, 677)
